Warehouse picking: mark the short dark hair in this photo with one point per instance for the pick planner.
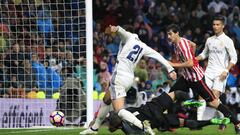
(173, 27)
(219, 18)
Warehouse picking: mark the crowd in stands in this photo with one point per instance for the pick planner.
(40, 46)
(43, 41)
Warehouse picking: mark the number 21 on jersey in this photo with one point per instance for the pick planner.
(134, 54)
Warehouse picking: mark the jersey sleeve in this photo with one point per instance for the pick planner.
(149, 52)
(124, 35)
(205, 51)
(232, 52)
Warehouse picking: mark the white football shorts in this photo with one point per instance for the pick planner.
(120, 84)
(216, 84)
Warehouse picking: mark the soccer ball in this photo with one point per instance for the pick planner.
(57, 118)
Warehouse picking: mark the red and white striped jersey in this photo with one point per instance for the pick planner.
(184, 52)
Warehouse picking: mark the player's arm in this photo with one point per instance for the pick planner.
(233, 55)
(124, 35)
(154, 54)
(233, 60)
(204, 53)
(188, 55)
(186, 64)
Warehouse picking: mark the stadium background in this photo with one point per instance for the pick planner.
(43, 47)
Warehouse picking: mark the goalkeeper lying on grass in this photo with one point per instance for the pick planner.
(153, 112)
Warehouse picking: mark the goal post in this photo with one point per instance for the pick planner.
(89, 43)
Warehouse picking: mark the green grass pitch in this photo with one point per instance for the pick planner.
(210, 130)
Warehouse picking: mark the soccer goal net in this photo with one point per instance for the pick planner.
(43, 61)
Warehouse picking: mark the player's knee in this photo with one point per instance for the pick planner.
(107, 101)
(214, 103)
(107, 98)
(216, 93)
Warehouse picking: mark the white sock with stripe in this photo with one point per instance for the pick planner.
(201, 110)
(128, 116)
(103, 111)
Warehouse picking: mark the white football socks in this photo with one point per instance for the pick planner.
(103, 111)
(128, 116)
(201, 110)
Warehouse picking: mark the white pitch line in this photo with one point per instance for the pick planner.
(38, 130)
(29, 131)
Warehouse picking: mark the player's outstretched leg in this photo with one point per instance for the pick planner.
(103, 111)
(128, 116)
(201, 109)
(227, 113)
(93, 129)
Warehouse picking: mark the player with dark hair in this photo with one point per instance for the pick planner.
(222, 56)
(153, 111)
(192, 74)
(131, 50)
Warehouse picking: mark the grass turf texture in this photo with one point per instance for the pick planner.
(209, 130)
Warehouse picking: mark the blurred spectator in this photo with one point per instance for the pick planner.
(74, 105)
(111, 64)
(99, 7)
(81, 71)
(162, 10)
(195, 22)
(16, 89)
(207, 19)
(3, 42)
(143, 29)
(44, 22)
(54, 80)
(199, 11)
(32, 94)
(104, 76)
(154, 43)
(125, 13)
(39, 71)
(233, 100)
(14, 59)
(148, 90)
(197, 37)
(230, 16)
(4, 28)
(160, 76)
(151, 69)
(111, 14)
(111, 46)
(217, 5)
(27, 78)
(141, 71)
(235, 26)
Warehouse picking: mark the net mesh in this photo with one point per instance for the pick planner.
(42, 60)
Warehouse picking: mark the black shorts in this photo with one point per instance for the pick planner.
(199, 87)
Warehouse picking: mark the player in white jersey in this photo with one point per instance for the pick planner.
(222, 56)
(130, 52)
